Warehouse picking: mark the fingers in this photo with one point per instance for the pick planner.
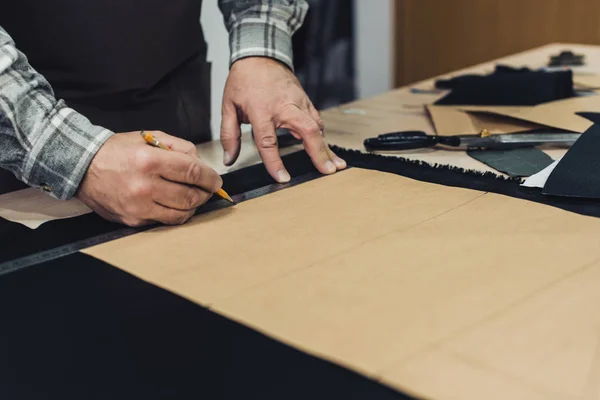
(170, 216)
(230, 133)
(316, 116)
(159, 213)
(149, 211)
(176, 144)
(266, 141)
(339, 163)
(178, 196)
(176, 203)
(158, 200)
(182, 168)
(171, 187)
(303, 124)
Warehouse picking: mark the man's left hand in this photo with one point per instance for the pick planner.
(265, 93)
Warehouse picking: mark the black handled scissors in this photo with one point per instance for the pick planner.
(410, 140)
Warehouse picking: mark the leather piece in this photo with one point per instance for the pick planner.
(578, 172)
(516, 162)
(507, 86)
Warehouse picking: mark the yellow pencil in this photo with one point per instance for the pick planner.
(156, 143)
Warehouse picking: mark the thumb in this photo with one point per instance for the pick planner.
(230, 133)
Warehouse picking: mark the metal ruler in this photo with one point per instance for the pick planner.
(61, 251)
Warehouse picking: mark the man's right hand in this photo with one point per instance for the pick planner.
(131, 182)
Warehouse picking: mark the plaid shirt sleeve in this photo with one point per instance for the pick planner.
(263, 27)
(43, 142)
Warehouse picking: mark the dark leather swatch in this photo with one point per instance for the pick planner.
(515, 162)
(592, 116)
(578, 173)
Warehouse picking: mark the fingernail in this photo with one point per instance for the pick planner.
(339, 162)
(283, 176)
(226, 158)
(330, 167)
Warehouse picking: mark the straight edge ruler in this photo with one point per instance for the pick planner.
(65, 250)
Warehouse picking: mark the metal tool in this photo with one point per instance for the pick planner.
(71, 248)
(418, 139)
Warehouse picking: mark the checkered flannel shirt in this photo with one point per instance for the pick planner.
(49, 146)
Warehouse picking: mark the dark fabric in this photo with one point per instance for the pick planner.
(507, 86)
(515, 162)
(78, 328)
(578, 172)
(594, 117)
(124, 64)
(9, 183)
(93, 48)
(450, 176)
(179, 105)
(566, 58)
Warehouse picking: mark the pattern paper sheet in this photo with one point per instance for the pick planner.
(444, 293)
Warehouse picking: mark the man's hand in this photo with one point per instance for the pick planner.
(134, 183)
(266, 94)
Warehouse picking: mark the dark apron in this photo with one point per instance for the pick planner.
(179, 105)
(126, 65)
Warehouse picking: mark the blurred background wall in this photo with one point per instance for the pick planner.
(436, 36)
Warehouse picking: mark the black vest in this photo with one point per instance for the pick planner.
(125, 64)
